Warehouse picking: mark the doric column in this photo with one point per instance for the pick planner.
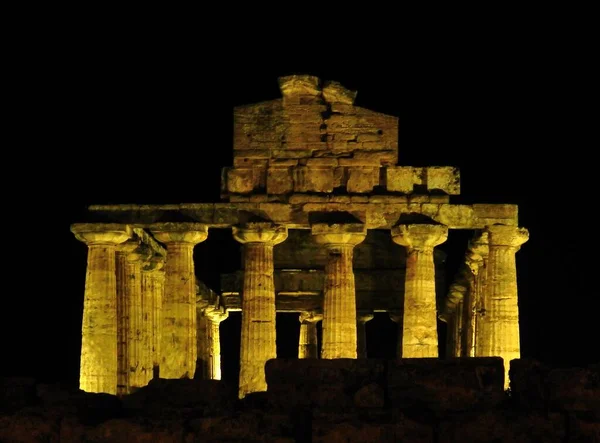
(178, 345)
(500, 335)
(258, 302)
(98, 369)
(419, 328)
(208, 365)
(308, 343)
(138, 346)
(154, 279)
(339, 294)
(122, 273)
(361, 334)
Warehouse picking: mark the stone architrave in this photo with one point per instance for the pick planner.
(500, 326)
(361, 334)
(209, 343)
(178, 345)
(308, 343)
(419, 326)
(258, 302)
(98, 369)
(339, 294)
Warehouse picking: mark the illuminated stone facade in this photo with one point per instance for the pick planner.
(329, 227)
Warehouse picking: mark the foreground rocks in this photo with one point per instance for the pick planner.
(415, 400)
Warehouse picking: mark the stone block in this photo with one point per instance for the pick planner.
(312, 180)
(240, 181)
(527, 378)
(402, 178)
(458, 384)
(362, 180)
(279, 181)
(575, 390)
(322, 162)
(443, 178)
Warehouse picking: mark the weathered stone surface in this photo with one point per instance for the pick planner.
(179, 398)
(258, 302)
(362, 180)
(178, 324)
(16, 393)
(99, 364)
(419, 336)
(446, 385)
(312, 180)
(279, 181)
(382, 215)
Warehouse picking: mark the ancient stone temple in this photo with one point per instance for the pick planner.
(329, 227)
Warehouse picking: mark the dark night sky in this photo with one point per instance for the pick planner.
(110, 120)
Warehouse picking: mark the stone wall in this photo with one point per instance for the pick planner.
(412, 400)
(314, 140)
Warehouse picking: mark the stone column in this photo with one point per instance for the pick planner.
(138, 348)
(361, 334)
(339, 295)
(208, 366)
(419, 333)
(258, 302)
(122, 263)
(308, 343)
(98, 369)
(146, 319)
(500, 326)
(155, 279)
(178, 345)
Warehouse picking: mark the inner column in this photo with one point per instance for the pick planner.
(339, 294)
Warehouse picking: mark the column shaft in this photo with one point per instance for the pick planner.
(258, 317)
(307, 346)
(98, 370)
(419, 327)
(339, 304)
(420, 317)
(361, 334)
(122, 324)
(215, 354)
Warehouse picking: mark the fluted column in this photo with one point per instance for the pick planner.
(122, 252)
(339, 294)
(258, 303)
(500, 336)
(419, 333)
(98, 369)
(208, 366)
(155, 279)
(150, 267)
(178, 345)
(308, 343)
(361, 334)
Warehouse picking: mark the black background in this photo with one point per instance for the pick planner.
(111, 114)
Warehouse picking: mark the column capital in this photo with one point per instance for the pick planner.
(363, 318)
(141, 254)
(310, 317)
(191, 233)
(154, 264)
(214, 314)
(419, 236)
(509, 236)
(101, 233)
(339, 233)
(260, 232)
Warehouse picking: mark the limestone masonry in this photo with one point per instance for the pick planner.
(330, 227)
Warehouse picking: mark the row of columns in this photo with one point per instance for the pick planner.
(178, 328)
(484, 317)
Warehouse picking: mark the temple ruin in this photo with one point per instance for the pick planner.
(330, 227)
